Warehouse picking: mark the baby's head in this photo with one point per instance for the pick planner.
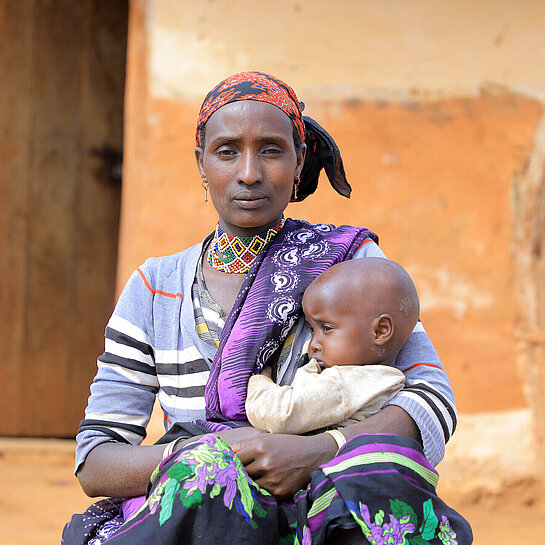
(361, 312)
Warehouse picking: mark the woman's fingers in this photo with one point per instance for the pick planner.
(245, 455)
(282, 464)
(239, 438)
(237, 446)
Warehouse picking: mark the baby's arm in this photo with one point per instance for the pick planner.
(293, 409)
(267, 371)
(317, 400)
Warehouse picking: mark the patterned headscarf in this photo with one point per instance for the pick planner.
(322, 152)
(252, 86)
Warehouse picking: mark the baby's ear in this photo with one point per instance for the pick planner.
(383, 329)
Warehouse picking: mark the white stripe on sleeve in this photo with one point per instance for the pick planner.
(126, 327)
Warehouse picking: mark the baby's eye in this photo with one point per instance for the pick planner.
(327, 327)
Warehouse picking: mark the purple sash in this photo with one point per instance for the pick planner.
(268, 305)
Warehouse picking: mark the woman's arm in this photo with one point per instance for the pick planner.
(122, 397)
(282, 464)
(391, 419)
(427, 395)
(117, 470)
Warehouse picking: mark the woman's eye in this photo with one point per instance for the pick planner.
(272, 151)
(225, 152)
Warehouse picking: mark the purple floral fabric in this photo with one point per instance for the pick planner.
(379, 484)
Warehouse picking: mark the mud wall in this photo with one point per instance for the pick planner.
(435, 106)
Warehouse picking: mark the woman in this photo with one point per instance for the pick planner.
(202, 321)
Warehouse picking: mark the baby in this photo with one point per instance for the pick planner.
(360, 313)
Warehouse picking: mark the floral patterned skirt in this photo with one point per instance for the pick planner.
(381, 484)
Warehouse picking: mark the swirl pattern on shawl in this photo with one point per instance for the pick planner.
(263, 314)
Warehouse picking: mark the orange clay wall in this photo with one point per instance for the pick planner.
(434, 106)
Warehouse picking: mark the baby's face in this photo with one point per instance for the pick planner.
(339, 336)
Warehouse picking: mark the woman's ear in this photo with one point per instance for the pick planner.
(383, 329)
(199, 155)
(301, 154)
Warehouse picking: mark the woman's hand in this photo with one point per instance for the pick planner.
(282, 464)
(240, 438)
(391, 419)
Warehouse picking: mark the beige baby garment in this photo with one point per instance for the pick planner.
(318, 398)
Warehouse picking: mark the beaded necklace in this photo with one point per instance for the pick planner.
(231, 254)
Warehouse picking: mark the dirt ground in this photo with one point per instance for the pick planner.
(40, 493)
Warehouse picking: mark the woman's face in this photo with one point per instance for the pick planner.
(250, 162)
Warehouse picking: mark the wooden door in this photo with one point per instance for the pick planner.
(62, 65)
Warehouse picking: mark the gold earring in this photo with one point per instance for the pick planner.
(204, 183)
(295, 187)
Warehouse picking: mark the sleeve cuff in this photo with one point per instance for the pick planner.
(434, 448)
(86, 442)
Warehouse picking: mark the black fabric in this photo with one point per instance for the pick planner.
(96, 523)
(179, 430)
(322, 153)
(107, 431)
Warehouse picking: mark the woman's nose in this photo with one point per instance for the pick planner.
(250, 169)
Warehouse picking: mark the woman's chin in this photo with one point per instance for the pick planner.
(248, 224)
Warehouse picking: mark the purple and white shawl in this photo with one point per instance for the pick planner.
(267, 306)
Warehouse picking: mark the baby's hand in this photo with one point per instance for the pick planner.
(267, 371)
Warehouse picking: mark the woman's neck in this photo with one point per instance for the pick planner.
(238, 231)
(230, 254)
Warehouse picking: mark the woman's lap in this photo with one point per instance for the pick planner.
(381, 485)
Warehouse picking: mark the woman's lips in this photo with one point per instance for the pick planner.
(249, 201)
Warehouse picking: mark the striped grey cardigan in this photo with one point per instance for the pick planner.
(152, 349)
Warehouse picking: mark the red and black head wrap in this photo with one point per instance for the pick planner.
(322, 152)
